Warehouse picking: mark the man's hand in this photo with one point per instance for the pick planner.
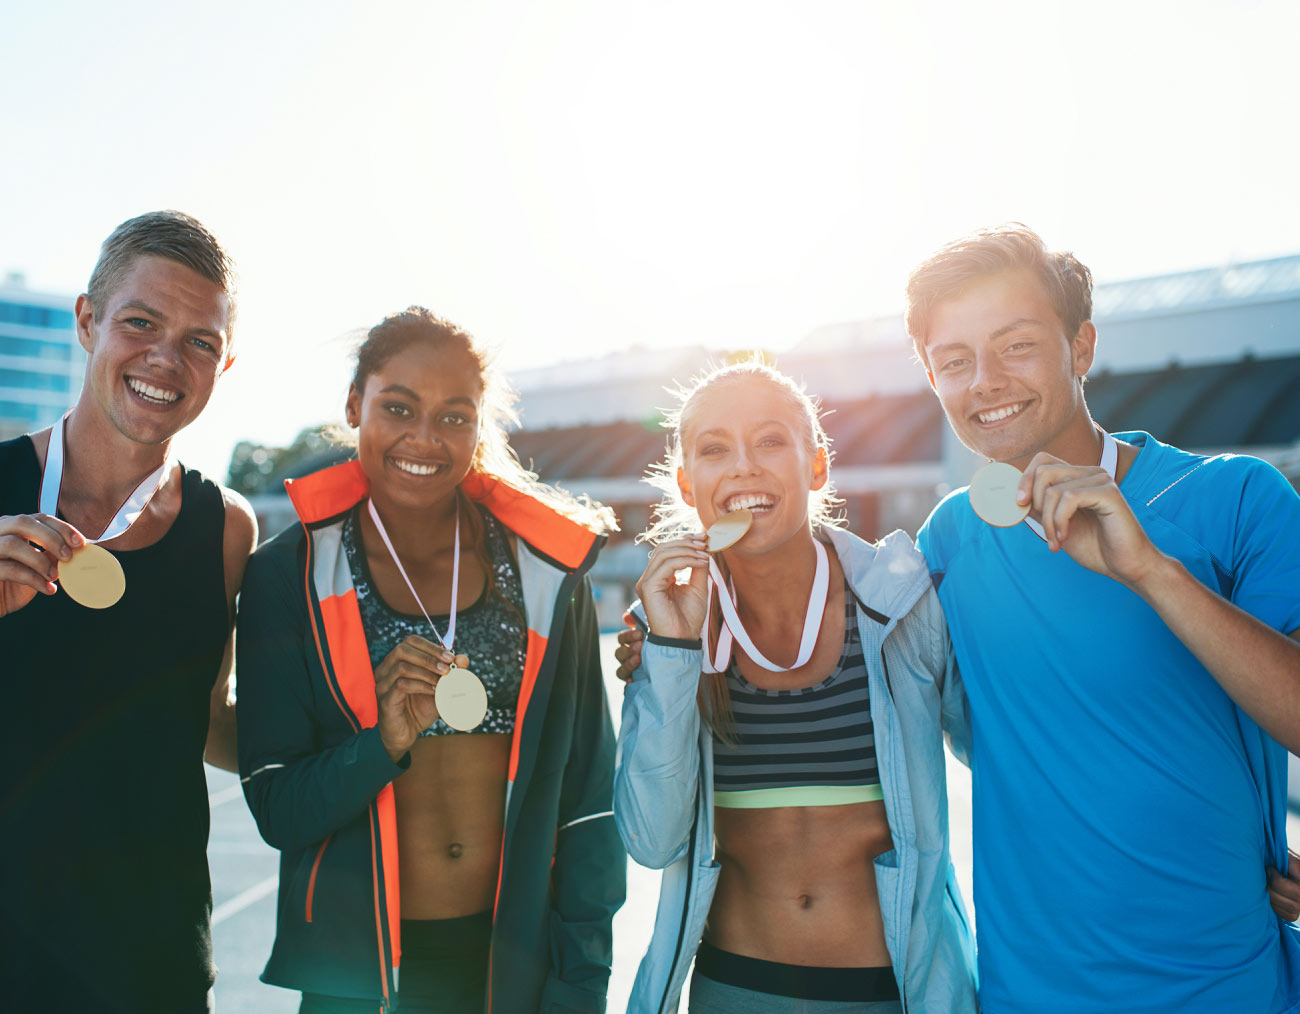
(1284, 892)
(404, 683)
(1083, 512)
(31, 546)
(628, 652)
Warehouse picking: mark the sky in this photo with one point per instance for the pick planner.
(566, 178)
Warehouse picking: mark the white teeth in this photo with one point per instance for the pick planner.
(158, 394)
(749, 501)
(414, 469)
(1002, 413)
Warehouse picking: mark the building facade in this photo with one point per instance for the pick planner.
(41, 362)
(1207, 359)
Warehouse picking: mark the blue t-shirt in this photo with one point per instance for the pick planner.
(1124, 808)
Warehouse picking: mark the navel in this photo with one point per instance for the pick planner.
(455, 850)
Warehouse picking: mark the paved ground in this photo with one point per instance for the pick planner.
(244, 883)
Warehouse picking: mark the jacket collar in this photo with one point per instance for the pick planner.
(332, 491)
(889, 576)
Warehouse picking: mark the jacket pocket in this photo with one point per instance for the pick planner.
(706, 881)
(311, 878)
(887, 887)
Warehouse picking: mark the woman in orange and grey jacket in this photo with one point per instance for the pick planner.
(484, 864)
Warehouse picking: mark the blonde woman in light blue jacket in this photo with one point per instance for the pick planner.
(795, 797)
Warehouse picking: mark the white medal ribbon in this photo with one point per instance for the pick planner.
(127, 514)
(1109, 461)
(733, 628)
(455, 575)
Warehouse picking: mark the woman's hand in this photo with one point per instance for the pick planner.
(31, 547)
(404, 684)
(672, 609)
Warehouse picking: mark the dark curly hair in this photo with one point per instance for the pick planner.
(493, 455)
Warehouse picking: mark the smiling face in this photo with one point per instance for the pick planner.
(745, 443)
(157, 346)
(1006, 373)
(418, 417)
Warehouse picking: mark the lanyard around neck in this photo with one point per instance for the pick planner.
(733, 628)
(132, 507)
(450, 639)
(1109, 462)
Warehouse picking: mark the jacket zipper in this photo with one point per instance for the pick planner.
(313, 604)
(315, 868)
(686, 907)
(889, 687)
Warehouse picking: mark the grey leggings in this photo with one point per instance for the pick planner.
(709, 997)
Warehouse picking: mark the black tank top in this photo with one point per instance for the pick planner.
(104, 894)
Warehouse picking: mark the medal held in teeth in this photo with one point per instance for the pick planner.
(729, 529)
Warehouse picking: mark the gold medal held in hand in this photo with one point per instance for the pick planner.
(93, 577)
(993, 495)
(729, 529)
(461, 699)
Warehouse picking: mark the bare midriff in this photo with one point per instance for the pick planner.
(798, 886)
(450, 818)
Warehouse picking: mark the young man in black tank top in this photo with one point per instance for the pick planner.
(104, 892)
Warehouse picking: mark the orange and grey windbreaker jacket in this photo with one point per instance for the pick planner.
(318, 780)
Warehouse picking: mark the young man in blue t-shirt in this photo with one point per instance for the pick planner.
(1131, 666)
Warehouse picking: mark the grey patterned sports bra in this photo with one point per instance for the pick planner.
(490, 632)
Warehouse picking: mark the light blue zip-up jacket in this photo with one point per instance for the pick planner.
(663, 787)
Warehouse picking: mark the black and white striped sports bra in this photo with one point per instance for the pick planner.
(808, 747)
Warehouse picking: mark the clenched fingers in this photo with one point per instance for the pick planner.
(628, 653)
(1058, 502)
(667, 558)
(31, 547)
(1284, 892)
(415, 665)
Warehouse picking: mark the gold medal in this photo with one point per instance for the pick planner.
(93, 577)
(461, 699)
(729, 529)
(993, 495)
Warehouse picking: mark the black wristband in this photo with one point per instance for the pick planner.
(693, 643)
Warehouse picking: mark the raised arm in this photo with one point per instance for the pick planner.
(1083, 512)
(657, 770)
